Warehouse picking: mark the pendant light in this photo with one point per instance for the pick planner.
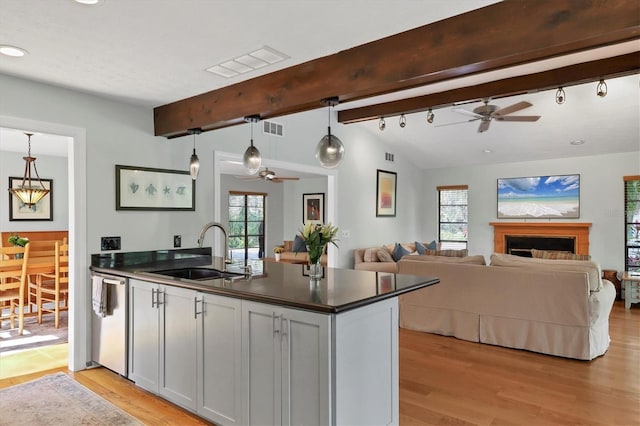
(252, 159)
(330, 149)
(26, 192)
(194, 163)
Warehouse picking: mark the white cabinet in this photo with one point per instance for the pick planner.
(286, 356)
(162, 337)
(185, 346)
(219, 364)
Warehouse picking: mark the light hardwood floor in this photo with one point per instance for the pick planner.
(446, 381)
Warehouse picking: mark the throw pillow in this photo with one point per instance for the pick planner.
(432, 245)
(371, 254)
(558, 255)
(450, 253)
(384, 255)
(398, 252)
(420, 248)
(299, 245)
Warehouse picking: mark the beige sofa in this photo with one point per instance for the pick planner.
(556, 307)
(366, 259)
(288, 255)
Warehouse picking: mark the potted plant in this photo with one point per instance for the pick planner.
(277, 250)
(17, 241)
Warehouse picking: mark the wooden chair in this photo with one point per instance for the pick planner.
(13, 282)
(52, 289)
(42, 259)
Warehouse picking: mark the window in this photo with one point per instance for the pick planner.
(632, 223)
(246, 225)
(453, 217)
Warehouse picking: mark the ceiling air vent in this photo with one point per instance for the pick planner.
(272, 128)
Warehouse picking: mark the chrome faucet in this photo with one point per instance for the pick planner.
(204, 230)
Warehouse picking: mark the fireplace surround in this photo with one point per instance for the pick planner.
(576, 232)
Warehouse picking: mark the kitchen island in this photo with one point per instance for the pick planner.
(270, 347)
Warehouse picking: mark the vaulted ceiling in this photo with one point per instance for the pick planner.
(156, 54)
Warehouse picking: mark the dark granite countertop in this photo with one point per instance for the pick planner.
(277, 283)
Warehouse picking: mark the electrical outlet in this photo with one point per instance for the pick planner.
(109, 243)
(346, 233)
(177, 241)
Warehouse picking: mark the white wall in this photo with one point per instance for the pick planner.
(601, 199)
(49, 167)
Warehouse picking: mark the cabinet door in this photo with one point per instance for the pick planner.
(219, 358)
(306, 372)
(262, 364)
(143, 334)
(177, 378)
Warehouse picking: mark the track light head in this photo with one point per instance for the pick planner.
(601, 89)
(560, 96)
(403, 121)
(381, 124)
(430, 116)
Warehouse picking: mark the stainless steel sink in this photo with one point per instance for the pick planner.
(198, 273)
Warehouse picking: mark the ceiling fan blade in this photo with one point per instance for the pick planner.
(519, 118)
(457, 122)
(248, 177)
(484, 126)
(285, 178)
(512, 108)
(466, 112)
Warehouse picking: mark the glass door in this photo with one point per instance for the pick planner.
(246, 225)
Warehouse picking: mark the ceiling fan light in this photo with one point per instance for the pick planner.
(252, 160)
(329, 151)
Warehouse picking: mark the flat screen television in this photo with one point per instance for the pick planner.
(539, 197)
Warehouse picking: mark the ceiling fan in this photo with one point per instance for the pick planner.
(268, 175)
(487, 112)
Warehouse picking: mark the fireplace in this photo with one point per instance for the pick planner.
(569, 236)
(522, 245)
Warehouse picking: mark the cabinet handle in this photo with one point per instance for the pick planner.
(195, 307)
(284, 326)
(153, 297)
(276, 324)
(164, 295)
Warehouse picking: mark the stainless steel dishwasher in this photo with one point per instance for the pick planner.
(110, 338)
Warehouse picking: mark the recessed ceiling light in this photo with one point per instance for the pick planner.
(577, 142)
(88, 1)
(487, 151)
(14, 51)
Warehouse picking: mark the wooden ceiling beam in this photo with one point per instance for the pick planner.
(498, 36)
(566, 76)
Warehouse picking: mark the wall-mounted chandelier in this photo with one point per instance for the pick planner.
(30, 191)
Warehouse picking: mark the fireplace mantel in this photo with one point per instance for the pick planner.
(577, 230)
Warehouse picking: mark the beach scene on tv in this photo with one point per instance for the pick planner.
(539, 197)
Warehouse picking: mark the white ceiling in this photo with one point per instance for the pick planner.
(151, 53)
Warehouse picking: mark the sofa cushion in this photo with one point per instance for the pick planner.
(474, 260)
(558, 255)
(398, 252)
(384, 255)
(420, 249)
(371, 254)
(450, 253)
(587, 266)
(432, 245)
(299, 245)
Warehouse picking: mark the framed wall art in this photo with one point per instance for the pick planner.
(539, 197)
(313, 208)
(143, 188)
(386, 193)
(43, 210)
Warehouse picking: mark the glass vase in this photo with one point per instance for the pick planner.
(315, 270)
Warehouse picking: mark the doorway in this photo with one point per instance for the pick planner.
(247, 213)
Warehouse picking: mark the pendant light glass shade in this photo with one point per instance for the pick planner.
(194, 162)
(330, 150)
(252, 158)
(27, 192)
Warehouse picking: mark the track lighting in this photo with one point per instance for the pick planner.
(402, 121)
(560, 97)
(601, 89)
(194, 163)
(252, 159)
(330, 149)
(430, 116)
(381, 124)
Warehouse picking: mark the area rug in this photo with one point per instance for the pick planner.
(57, 399)
(34, 335)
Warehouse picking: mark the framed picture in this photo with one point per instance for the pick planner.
(539, 197)
(143, 188)
(386, 193)
(386, 282)
(43, 210)
(313, 208)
